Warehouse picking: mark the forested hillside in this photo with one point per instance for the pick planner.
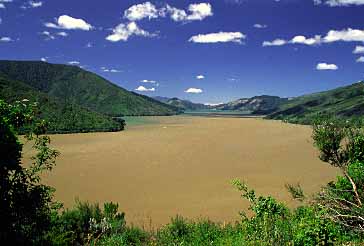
(345, 102)
(74, 85)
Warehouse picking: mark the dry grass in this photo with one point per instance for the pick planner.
(184, 165)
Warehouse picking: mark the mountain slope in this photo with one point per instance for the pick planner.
(345, 101)
(77, 86)
(184, 105)
(60, 116)
(255, 105)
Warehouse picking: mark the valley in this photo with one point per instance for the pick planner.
(184, 165)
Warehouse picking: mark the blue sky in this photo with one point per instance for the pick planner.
(205, 51)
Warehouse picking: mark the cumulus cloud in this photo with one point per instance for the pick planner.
(347, 35)
(222, 37)
(360, 59)
(276, 42)
(43, 59)
(148, 81)
(325, 66)
(197, 11)
(307, 41)
(144, 89)
(6, 39)
(69, 23)
(336, 3)
(48, 35)
(141, 11)
(194, 90)
(3, 2)
(176, 14)
(34, 4)
(63, 34)
(358, 50)
(200, 76)
(74, 62)
(260, 26)
(122, 32)
(110, 70)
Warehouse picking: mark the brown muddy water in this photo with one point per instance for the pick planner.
(184, 165)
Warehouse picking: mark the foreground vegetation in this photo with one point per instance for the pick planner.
(30, 216)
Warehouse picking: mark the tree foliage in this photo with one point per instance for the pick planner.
(25, 204)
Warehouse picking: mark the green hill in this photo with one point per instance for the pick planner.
(77, 86)
(72, 99)
(62, 117)
(343, 102)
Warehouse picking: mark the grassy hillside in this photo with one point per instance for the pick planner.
(74, 85)
(61, 116)
(344, 102)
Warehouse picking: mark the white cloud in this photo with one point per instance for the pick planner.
(194, 90)
(325, 66)
(122, 32)
(360, 59)
(144, 89)
(308, 41)
(48, 35)
(359, 50)
(222, 37)
(110, 70)
(69, 23)
(335, 3)
(89, 45)
(260, 26)
(2, 3)
(74, 62)
(148, 81)
(299, 39)
(276, 42)
(199, 11)
(347, 35)
(43, 59)
(34, 4)
(141, 11)
(6, 39)
(176, 14)
(63, 34)
(200, 77)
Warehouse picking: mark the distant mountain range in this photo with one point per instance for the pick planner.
(345, 102)
(73, 99)
(255, 105)
(184, 105)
